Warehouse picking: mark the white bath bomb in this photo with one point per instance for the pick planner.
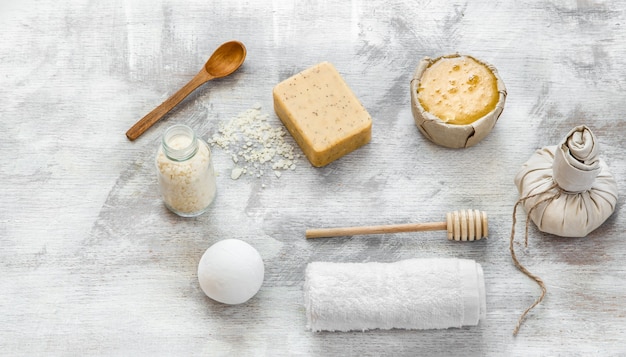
(231, 271)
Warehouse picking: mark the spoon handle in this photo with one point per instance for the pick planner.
(157, 113)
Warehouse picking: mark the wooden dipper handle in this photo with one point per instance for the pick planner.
(393, 228)
(464, 225)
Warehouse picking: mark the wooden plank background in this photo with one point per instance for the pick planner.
(93, 264)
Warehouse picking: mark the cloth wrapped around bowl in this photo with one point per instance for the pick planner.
(567, 189)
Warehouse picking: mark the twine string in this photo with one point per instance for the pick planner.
(519, 266)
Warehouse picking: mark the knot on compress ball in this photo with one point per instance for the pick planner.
(576, 161)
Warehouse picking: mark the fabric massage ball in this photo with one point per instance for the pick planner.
(231, 271)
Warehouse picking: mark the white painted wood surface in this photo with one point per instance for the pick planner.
(93, 264)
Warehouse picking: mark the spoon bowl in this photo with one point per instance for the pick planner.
(226, 59)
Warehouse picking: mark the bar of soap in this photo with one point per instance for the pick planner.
(322, 114)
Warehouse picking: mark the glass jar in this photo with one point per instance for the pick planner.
(185, 172)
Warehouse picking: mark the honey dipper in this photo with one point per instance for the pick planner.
(463, 225)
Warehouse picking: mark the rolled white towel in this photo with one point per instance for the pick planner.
(409, 294)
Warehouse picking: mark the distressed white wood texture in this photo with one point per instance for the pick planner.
(93, 264)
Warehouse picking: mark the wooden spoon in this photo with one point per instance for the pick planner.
(224, 61)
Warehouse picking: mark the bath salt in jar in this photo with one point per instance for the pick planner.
(185, 172)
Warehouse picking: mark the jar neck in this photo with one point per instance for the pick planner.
(179, 143)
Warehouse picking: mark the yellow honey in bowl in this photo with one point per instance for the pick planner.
(458, 90)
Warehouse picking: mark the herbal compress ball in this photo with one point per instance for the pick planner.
(231, 271)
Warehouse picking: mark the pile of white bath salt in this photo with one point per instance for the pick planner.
(254, 145)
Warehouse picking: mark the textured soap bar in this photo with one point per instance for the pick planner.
(322, 114)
